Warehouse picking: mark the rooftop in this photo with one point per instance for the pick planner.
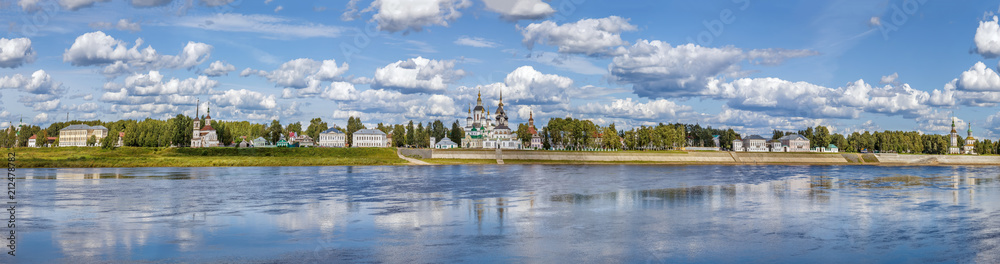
(369, 132)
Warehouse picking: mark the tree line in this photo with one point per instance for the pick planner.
(558, 133)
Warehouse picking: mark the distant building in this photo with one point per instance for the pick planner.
(121, 139)
(752, 143)
(755, 143)
(332, 138)
(304, 141)
(776, 146)
(794, 143)
(77, 135)
(953, 147)
(446, 143)
(970, 143)
(368, 138)
(33, 141)
(204, 136)
(282, 143)
(260, 142)
(536, 140)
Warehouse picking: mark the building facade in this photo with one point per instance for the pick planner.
(77, 135)
(536, 140)
(970, 143)
(753, 143)
(794, 143)
(484, 131)
(368, 138)
(332, 138)
(953, 146)
(204, 136)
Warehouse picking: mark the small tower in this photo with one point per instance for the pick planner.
(196, 131)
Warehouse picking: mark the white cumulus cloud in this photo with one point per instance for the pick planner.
(414, 15)
(417, 75)
(99, 49)
(520, 9)
(218, 68)
(987, 38)
(15, 52)
(587, 36)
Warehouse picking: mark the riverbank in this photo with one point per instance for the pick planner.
(82, 157)
(690, 158)
(79, 157)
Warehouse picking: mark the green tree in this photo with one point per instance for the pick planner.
(457, 133)
(438, 131)
(410, 134)
(91, 141)
(316, 126)
(353, 125)
(111, 140)
(275, 131)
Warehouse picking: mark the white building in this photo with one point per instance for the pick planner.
(77, 135)
(32, 141)
(204, 136)
(753, 143)
(970, 143)
(332, 138)
(483, 132)
(446, 143)
(369, 138)
(794, 143)
(953, 147)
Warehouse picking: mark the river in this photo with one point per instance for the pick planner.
(512, 213)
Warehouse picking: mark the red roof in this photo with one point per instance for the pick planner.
(33, 137)
(208, 127)
(531, 130)
(121, 134)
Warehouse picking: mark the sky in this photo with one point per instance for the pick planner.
(750, 65)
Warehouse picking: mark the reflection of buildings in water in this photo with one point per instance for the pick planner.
(322, 215)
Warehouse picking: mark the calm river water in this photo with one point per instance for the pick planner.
(512, 213)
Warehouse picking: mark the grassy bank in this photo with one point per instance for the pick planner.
(79, 157)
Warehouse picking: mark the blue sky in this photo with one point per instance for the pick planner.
(746, 64)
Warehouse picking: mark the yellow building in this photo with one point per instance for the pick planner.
(77, 135)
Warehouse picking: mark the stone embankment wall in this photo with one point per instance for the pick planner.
(896, 159)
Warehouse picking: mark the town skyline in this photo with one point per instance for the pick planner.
(727, 64)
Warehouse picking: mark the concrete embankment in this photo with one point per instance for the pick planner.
(896, 159)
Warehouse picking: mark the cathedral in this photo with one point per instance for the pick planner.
(483, 132)
(970, 142)
(204, 136)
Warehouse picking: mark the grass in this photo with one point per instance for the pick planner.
(82, 157)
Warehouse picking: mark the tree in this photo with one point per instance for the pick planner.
(91, 141)
(410, 134)
(457, 133)
(421, 134)
(316, 126)
(438, 131)
(42, 138)
(610, 138)
(821, 137)
(294, 127)
(274, 132)
(522, 133)
(399, 136)
(111, 140)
